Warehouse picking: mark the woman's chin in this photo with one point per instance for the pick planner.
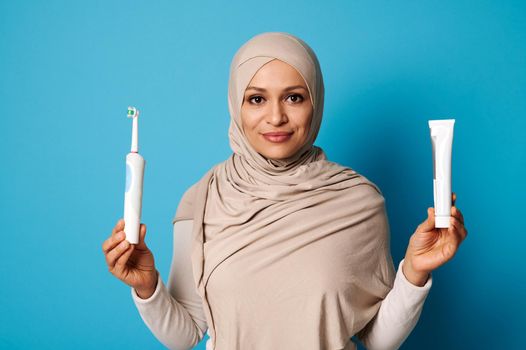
(280, 155)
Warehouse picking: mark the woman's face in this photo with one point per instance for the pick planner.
(276, 111)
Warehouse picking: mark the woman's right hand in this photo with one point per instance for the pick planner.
(131, 263)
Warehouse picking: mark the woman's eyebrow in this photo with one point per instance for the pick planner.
(286, 89)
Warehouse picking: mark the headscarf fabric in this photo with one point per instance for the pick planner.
(286, 253)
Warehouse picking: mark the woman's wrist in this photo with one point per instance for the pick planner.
(415, 277)
(146, 293)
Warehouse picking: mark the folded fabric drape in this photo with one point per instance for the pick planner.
(291, 253)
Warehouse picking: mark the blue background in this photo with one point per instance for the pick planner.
(68, 71)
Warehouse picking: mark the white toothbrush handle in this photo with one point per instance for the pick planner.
(133, 196)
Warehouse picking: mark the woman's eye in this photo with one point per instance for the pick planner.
(255, 99)
(296, 98)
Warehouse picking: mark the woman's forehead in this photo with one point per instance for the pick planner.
(276, 74)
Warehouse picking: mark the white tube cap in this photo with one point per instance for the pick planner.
(442, 221)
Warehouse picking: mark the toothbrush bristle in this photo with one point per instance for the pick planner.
(132, 111)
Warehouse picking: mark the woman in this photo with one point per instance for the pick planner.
(278, 247)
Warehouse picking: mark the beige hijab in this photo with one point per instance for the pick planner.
(286, 254)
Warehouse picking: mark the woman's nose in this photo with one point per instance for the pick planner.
(277, 116)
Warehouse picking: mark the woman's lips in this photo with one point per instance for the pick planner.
(277, 136)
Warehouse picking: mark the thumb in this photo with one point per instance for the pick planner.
(429, 224)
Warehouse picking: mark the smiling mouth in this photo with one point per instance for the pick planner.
(277, 137)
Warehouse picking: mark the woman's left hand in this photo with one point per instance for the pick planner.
(431, 247)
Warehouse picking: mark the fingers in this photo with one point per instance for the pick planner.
(142, 232)
(112, 241)
(429, 224)
(118, 227)
(455, 212)
(457, 227)
(142, 235)
(456, 234)
(120, 264)
(115, 253)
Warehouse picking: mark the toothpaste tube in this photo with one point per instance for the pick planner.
(442, 143)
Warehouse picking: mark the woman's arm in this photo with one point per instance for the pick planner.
(429, 248)
(398, 314)
(174, 314)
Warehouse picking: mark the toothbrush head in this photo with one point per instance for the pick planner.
(133, 112)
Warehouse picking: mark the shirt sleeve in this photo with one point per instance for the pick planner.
(398, 314)
(174, 313)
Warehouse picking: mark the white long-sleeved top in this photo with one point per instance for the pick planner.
(174, 313)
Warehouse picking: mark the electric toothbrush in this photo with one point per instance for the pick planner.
(134, 180)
